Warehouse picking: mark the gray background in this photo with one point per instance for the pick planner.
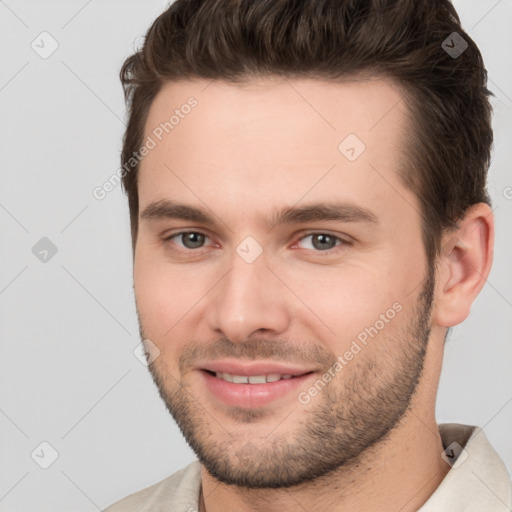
(68, 373)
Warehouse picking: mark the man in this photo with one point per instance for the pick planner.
(306, 183)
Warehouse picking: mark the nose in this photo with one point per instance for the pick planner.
(250, 299)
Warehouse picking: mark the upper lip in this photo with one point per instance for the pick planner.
(251, 368)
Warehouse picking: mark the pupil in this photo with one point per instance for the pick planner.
(193, 240)
(323, 239)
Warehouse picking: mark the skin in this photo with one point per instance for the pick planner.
(243, 153)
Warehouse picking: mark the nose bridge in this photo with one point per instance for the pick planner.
(249, 298)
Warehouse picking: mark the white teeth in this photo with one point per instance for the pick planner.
(253, 379)
(257, 379)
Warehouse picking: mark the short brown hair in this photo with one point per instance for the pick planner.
(448, 149)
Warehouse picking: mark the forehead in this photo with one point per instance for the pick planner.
(271, 141)
(372, 109)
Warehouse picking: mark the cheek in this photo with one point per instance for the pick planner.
(163, 295)
(351, 302)
(160, 306)
(170, 298)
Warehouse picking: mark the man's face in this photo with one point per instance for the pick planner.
(238, 303)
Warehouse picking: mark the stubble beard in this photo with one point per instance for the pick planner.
(345, 420)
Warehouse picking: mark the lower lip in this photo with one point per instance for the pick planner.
(252, 395)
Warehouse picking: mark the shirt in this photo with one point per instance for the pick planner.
(477, 481)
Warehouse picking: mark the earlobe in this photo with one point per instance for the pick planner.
(463, 265)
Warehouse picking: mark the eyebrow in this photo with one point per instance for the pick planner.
(344, 212)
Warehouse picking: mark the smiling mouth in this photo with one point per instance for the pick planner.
(254, 379)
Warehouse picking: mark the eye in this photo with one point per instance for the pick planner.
(189, 239)
(322, 242)
(319, 242)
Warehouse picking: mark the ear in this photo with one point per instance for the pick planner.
(463, 265)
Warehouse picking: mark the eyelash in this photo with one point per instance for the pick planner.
(328, 251)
